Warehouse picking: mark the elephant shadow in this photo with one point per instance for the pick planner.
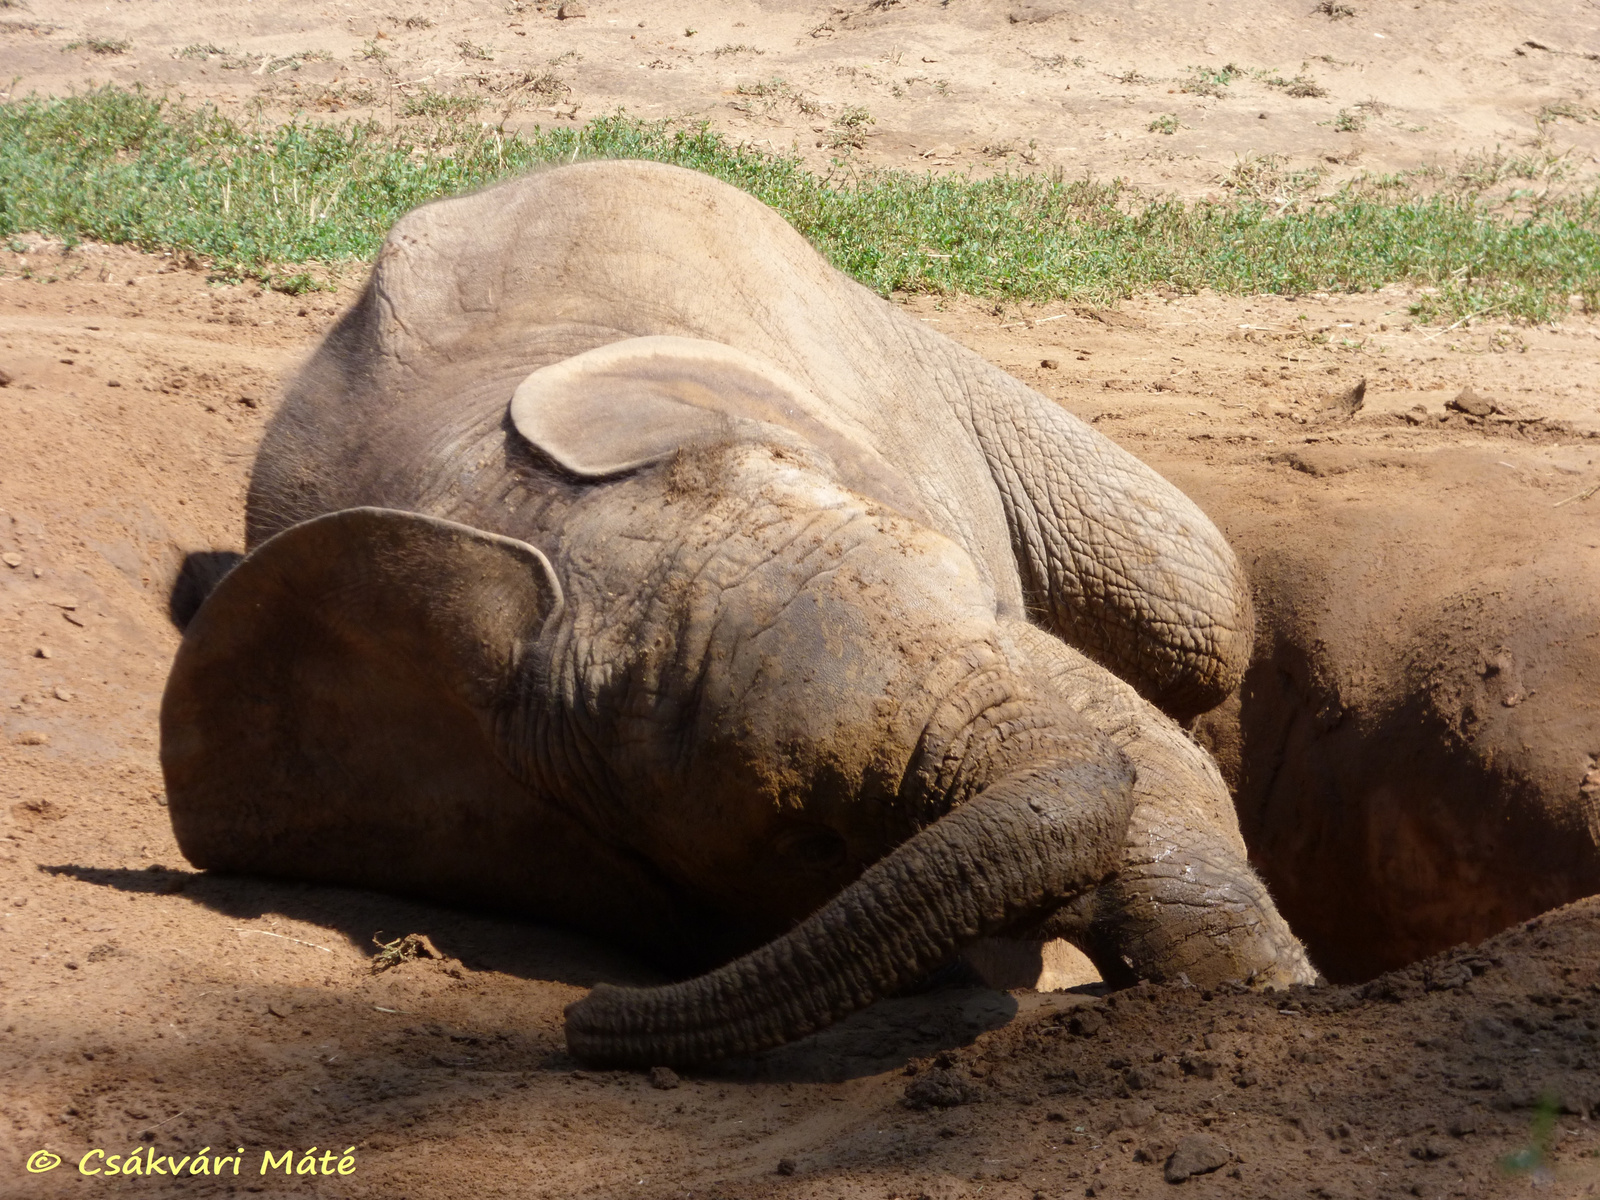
(480, 941)
(950, 1010)
(947, 1010)
(199, 574)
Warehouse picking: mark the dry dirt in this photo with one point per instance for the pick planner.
(147, 1008)
(950, 84)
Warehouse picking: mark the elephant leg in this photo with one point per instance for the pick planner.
(1185, 901)
(1114, 559)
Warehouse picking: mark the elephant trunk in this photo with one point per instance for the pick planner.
(1038, 834)
(1208, 919)
(1195, 912)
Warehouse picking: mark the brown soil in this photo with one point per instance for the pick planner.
(143, 1005)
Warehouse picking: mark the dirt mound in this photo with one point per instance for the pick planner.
(1412, 750)
(1449, 1077)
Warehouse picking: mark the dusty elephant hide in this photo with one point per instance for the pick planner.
(617, 560)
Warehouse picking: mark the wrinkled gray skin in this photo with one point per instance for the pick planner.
(803, 640)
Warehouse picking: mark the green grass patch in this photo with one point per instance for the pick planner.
(284, 204)
(439, 106)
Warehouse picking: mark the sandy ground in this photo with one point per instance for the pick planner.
(953, 85)
(146, 1008)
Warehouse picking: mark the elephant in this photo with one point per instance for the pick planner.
(617, 561)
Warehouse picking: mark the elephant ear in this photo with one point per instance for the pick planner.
(631, 403)
(335, 697)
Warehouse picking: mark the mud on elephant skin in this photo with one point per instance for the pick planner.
(617, 561)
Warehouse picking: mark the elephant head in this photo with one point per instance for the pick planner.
(755, 686)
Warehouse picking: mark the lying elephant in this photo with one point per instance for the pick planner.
(617, 560)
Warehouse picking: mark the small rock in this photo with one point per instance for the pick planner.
(5, 377)
(1261, 116)
(43, 652)
(1137, 1078)
(942, 150)
(279, 1009)
(33, 737)
(11, 559)
(62, 694)
(572, 8)
(113, 383)
(71, 965)
(786, 1166)
(250, 401)
(664, 1078)
(1197, 1154)
(1469, 402)
(1417, 415)
(1049, 364)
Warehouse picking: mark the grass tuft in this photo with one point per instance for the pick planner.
(1210, 81)
(439, 106)
(99, 45)
(283, 204)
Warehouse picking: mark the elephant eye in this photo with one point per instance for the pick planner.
(815, 848)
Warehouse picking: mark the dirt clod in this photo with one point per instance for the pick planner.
(1197, 1154)
(1348, 402)
(664, 1078)
(1469, 402)
(939, 1088)
(1086, 1022)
